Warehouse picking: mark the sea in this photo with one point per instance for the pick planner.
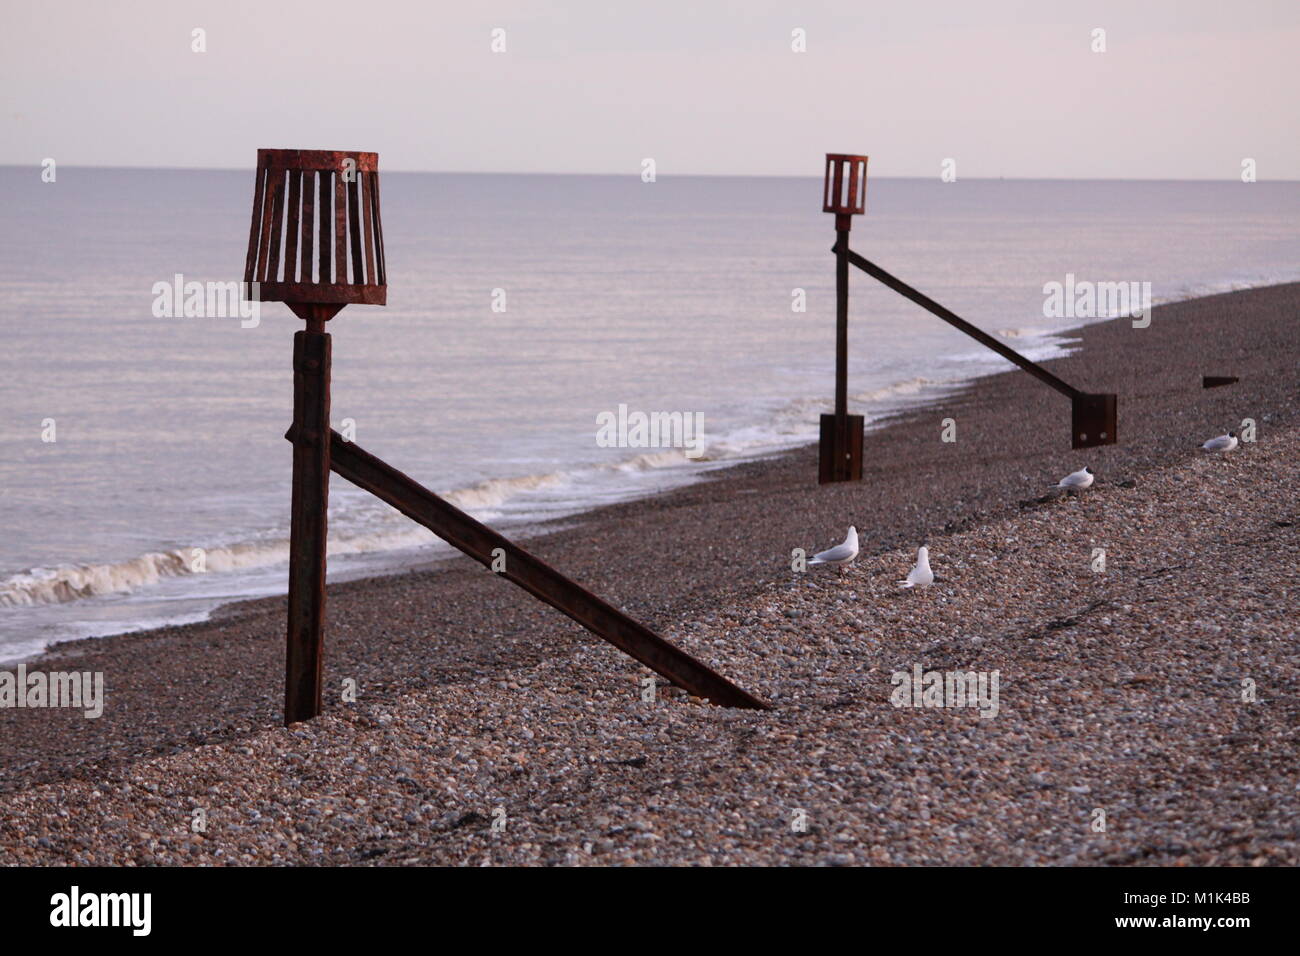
(144, 476)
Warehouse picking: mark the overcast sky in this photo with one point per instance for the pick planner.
(1185, 89)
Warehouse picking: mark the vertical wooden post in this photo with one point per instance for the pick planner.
(841, 433)
(841, 324)
(311, 471)
(844, 193)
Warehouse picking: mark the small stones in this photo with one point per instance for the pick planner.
(1119, 691)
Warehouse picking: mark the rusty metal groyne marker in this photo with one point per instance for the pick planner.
(1093, 417)
(322, 208)
(319, 206)
(844, 193)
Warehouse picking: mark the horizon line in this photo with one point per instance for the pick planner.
(633, 174)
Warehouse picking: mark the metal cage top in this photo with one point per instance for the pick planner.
(845, 190)
(316, 235)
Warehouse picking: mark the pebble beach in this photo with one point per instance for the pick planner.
(1147, 706)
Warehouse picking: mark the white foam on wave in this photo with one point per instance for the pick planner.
(72, 582)
(495, 492)
(787, 425)
(790, 424)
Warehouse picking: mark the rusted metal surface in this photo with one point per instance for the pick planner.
(925, 302)
(308, 225)
(346, 211)
(317, 160)
(354, 231)
(293, 188)
(264, 247)
(842, 324)
(844, 192)
(311, 463)
(323, 246)
(367, 218)
(340, 236)
(842, 168)
(300, 195)
(291, 225)
(840, 448)
(1094, 416)
(288, 292)
(1093, 420)
(255, 230)
(535, 576)
(272, 264)
(381, 263)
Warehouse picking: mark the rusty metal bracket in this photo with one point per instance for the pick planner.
(535, 576)
(1093, 416)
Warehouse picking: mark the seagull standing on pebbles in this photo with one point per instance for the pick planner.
(920, 575)
(1223, 443)
(841, 554)
(1077, 481)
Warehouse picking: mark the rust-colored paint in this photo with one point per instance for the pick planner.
(844, 192)
(842, 168)
(293, 187)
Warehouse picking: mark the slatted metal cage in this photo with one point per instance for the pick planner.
(845, 188)
(316, 235)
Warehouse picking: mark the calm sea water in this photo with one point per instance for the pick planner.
(671, 296)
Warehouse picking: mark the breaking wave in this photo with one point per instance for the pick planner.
(787, 425)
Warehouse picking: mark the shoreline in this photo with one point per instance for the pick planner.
(526, 529)
(680, 556)
(521, 529)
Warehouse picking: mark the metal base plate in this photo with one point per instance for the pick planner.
(1093, 420)
(841, 449)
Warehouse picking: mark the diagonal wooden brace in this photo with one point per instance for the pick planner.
(1093, 415)
(532, 574)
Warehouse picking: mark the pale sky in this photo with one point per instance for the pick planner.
(1185, 89)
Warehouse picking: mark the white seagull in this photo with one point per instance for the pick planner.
(1223, 443)
(841, 554)
(1077, 481)
(920, 575)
